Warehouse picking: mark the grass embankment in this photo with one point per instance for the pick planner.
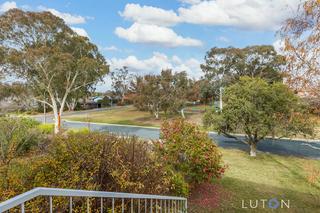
(264, 177)
(128, 116)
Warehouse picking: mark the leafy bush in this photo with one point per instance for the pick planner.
(93, 161)
(83, 130)
(190, 151)
(46, 128)
(101, 162)
(17, 136)
(106, 162)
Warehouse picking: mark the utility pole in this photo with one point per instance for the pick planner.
(221, 105)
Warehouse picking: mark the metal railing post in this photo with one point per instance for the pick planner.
(131, 205)
(139, 209)
(22, 208)
(145, 206)
(122, 205)
(88, 205)
(50, 204)
(70, 204)
(112, 205)
(101, 205)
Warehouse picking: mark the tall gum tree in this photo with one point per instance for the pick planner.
(224, 66)
(53, 60)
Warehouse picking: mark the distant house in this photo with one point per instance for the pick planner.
(92, 102)
(99, 102)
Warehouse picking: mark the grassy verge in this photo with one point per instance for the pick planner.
(128, 116)
(265, 177)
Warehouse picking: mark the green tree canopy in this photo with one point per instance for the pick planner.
(224, 66)
(121, 79)
(258, 109)
(165, 92)
(50, 57)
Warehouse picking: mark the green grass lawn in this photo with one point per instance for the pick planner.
(128, 116)
(265, 177)
(131, 116)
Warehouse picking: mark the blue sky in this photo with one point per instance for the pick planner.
(149, 35)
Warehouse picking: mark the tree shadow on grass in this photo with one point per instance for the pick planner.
(238, 190)
(293, 172)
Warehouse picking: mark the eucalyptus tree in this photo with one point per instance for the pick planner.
(166, 92)
(225, 66)
(54, 61)
(121, 79)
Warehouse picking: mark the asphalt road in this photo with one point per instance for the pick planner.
(300, 148)
(283, 146)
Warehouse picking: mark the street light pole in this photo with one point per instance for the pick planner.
(221, 105)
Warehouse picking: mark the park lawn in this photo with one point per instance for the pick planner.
(129, 116)
(199, 107)
(264, 177)
(317, 129)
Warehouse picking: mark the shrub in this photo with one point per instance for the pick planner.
(17, 136)
(101, 162)
(190, 151)
(46, 128)
(94, 161)
(84, 130)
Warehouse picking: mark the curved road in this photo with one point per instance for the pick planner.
(301, 148)
(283, 146)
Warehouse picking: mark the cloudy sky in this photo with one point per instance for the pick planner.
(149, 35)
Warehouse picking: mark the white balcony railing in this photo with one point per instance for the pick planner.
(137, 202)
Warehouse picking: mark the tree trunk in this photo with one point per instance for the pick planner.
(72, 104)
(156, 114)
(253, 149)
(56, 115)
(56, 124)
(182, 114)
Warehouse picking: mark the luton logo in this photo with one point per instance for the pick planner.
(273, 203)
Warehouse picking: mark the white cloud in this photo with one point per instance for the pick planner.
(249, 14)
(7, 6)
(223, 39)
(191, 1)
(80, 31)
(149, 15)
(176, 59)
(153, 34)
(156, 63)
(67, 17)
(111, 48)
